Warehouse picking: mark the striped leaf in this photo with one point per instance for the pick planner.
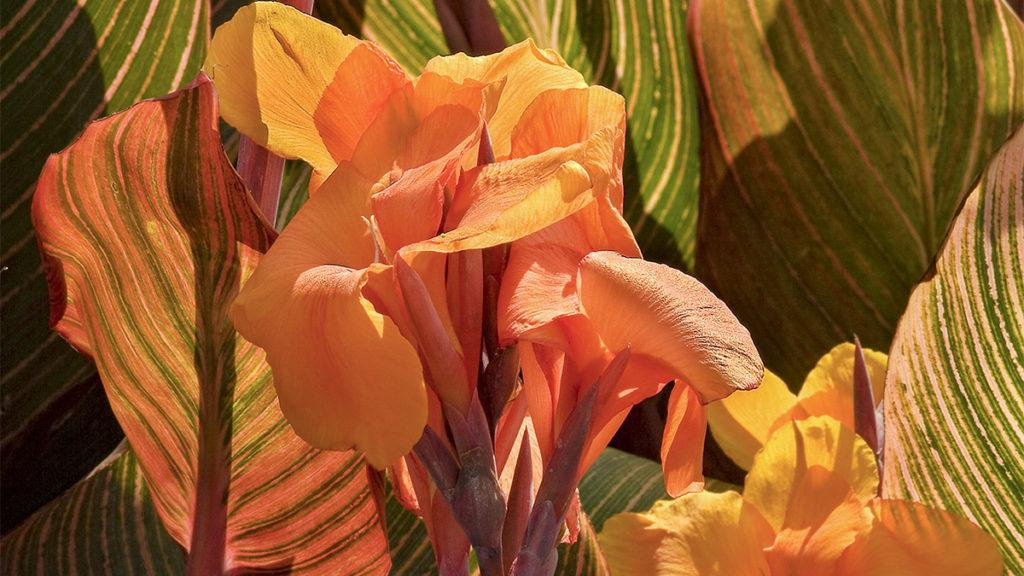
(954, 399)
(65, 63)
(104, 526)
(635, 48)
(840, 139)
(148, 232)
(617, 482)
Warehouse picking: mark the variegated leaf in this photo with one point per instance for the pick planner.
(148, 233)
(65, 63)
(840, 138)
(954, 399)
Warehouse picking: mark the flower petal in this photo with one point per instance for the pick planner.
(539, 284)
(682, 444)
(910, 539)
(345, 375)
(409, 209)
(823, 520)
(527, 70)
(776, 483)
(828, 388)
(666, 316)
(742, 422)
(702, 534)
(272, 66)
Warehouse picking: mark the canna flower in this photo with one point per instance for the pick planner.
(396, 177)
(809, 504)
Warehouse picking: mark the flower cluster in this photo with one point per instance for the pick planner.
(463, 227)
(810, 503)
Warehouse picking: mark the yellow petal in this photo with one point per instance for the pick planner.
(828, 388)
(823, 520)
(272, 65)
(344, 374)
(702, 534)
(527, 72)
(779, 469)
(670, 318)
(910, 539)
(741, 423)
(499, 203)
(682, 444)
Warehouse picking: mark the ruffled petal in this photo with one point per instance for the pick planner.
(670, 318)
(526, 70)
(272, 66)
(777, 484)
(345, 375)
(742, 422)
(910, 539)
(702, 534)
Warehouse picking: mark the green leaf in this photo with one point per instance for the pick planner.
(954, 399)
(105, 525)
(65, 63)
(147, 233)
(839, 141)
(617, 482)
(635, 48)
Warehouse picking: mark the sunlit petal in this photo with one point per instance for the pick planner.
(702, 534)
(742, 422)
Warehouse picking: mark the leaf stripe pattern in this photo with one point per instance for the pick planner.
(105, 525)
(636, 48)
(148, 232)
(954, 402)
(65, 63)
(840, 139)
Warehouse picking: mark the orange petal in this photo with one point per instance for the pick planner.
(828, 388)
(272, 65)
(345, 375)
(670, 318)
(822, 521)
(700, 534)
(502, 202)
(367, 85)
(539, 284)
(776, 483)
(742, 422)
(682, 445)
(558, 118)
(911, 539)
(527, 71)
(409, 208)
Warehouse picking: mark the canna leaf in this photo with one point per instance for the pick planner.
(953, 400)
(148, 233)
(840, 140)
(104, 526)
(65, 63)
(635, 48)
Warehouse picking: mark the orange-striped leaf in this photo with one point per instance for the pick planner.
(148, 233)
(954, 399)
(65, 63)
(840, 138)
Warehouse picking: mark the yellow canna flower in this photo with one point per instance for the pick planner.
(809, 505)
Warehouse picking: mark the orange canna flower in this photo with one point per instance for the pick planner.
(809, 504)
(397, 179)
